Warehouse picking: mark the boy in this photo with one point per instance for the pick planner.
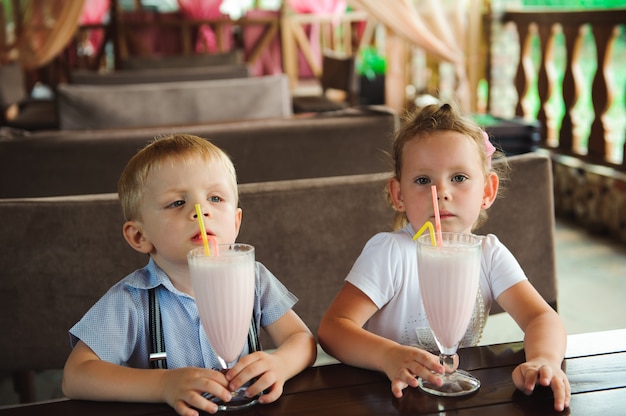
(110, 359)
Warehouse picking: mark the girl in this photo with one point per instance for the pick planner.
(375, 321)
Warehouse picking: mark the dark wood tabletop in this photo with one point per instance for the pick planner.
(595, 364)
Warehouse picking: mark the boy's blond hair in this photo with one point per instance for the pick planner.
(173, 148)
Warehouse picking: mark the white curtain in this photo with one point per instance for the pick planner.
(429, 27)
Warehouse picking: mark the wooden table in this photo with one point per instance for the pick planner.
(595, 364)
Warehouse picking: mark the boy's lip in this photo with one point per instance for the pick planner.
(197, 237)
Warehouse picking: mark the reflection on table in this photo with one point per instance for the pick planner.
(595, 364)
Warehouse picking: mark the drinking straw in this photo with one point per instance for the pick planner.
(431, 231)
(433, 189)
(216, 248)
(205, 241)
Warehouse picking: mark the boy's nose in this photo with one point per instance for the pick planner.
(200, 209)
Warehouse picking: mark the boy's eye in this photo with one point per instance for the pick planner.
(215, 199)
(178, 203)
(422, 181)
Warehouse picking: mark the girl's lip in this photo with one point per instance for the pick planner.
(445, 214)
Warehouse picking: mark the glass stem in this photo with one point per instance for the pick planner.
(447, 361)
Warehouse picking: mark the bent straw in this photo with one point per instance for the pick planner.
(431, 231)
(205, 242)
(433, 190)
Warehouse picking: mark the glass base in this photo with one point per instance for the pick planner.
(238, 401)
(458, 383)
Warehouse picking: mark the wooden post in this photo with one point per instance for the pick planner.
(395, 77)
(290, 57)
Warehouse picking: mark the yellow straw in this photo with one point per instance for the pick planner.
(427, 225)
(207, 251)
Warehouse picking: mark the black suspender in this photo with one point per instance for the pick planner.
(158, 356)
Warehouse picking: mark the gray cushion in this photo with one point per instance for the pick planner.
(172, 103)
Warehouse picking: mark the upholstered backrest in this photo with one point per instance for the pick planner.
(90, 161)
(523, 219)
(12, 88)
(181, 61)
(61, 254)
(172, 103)
(147, 76)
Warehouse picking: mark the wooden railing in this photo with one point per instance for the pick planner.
(570, 77)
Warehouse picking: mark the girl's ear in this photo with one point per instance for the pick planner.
(396, 195)
(491, 190)
(135, 237)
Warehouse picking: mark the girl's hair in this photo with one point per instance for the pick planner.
(173, 148)
(427, 120)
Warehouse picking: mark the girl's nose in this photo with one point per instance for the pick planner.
(442, 193)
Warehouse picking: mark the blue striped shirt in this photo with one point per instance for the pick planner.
(116, 328)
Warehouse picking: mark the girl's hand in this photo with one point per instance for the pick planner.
(527, 375)
(266, 368)
(183, 389)
(403, 364)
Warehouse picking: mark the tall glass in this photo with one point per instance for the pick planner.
(223, 285)
(449, 278)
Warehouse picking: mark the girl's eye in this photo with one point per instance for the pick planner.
(459, 178)
(422, 181)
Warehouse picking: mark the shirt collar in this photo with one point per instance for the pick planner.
(150, 277)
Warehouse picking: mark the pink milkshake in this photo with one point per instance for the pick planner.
(448, 277)
(223, 286)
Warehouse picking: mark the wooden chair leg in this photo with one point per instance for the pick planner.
(24, 385)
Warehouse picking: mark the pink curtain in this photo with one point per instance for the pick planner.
(205, 9)
(334, 7)
(320, 7)
(269, 62)
(94, 12)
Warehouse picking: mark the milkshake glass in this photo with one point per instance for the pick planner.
(448, 279)
(223, 286)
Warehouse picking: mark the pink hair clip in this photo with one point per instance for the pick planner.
(490, 149)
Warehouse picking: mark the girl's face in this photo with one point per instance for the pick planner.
(169, 228)
(450, 161)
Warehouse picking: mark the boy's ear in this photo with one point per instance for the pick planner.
(238, 216)
(491, 190)
(135, 238)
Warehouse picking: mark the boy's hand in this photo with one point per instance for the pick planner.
(183, 389)
(267, 367)
(527, 375)
(403, 364)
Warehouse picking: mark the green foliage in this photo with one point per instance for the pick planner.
(576, 4)
(371, 63)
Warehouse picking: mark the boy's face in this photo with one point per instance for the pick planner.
(169, 226)
(449, 160)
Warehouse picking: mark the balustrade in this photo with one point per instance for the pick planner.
(570, 77)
